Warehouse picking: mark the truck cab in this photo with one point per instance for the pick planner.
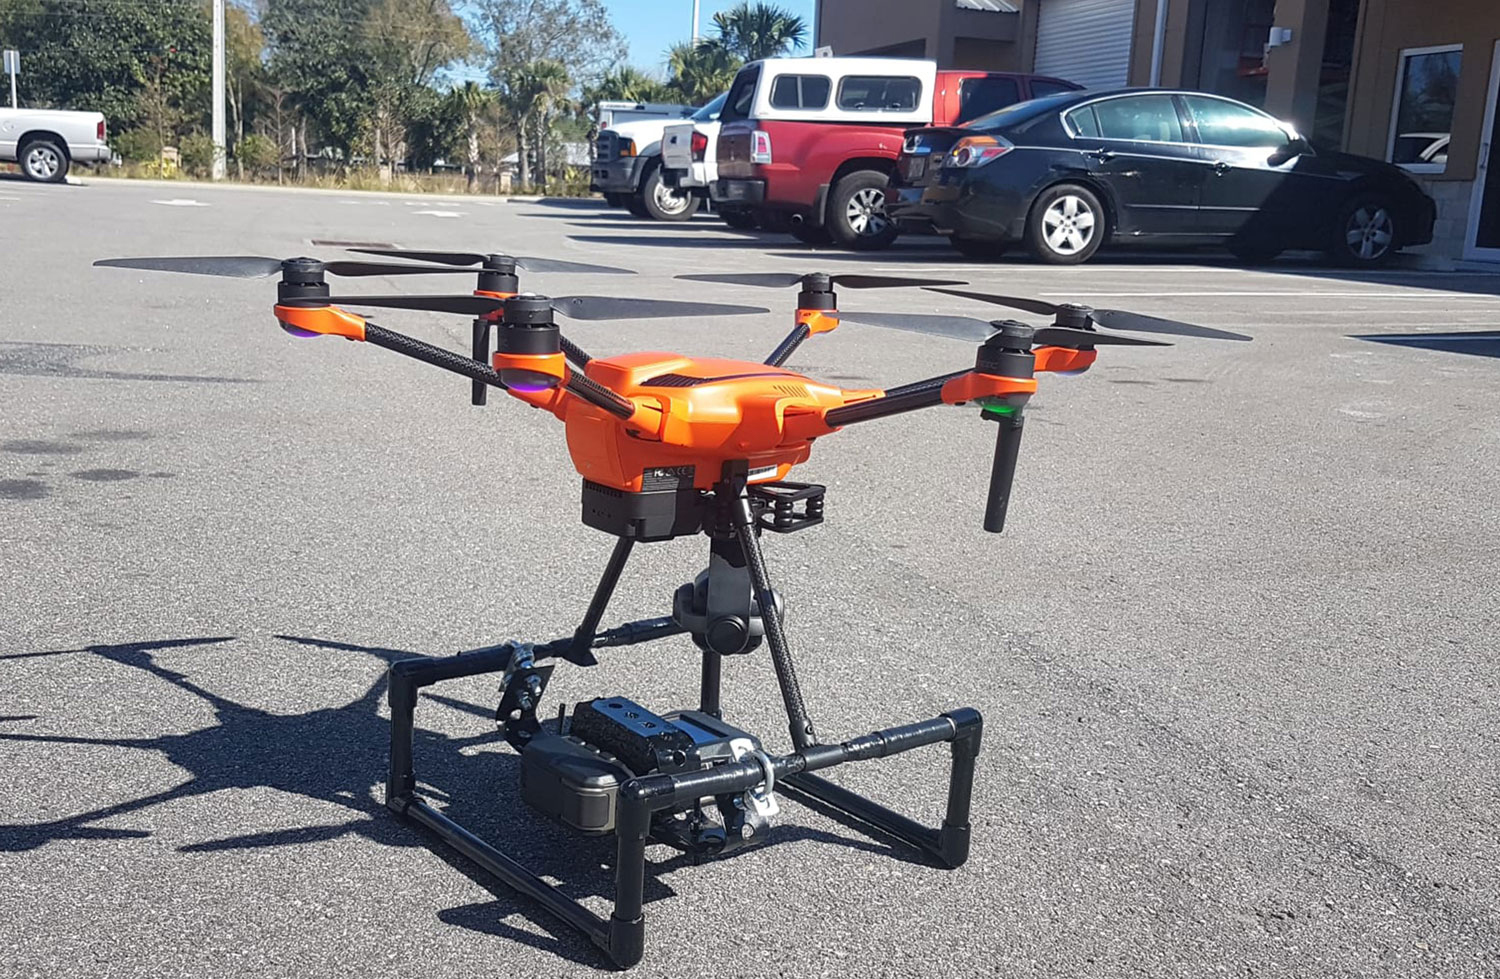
(808, 144)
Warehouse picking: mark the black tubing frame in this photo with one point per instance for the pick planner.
(622, 934)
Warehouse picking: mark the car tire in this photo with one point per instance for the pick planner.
(810, 234)
(1254, 254)
(856, 212)
(1364, 232)
(664, 202)
(44, 161)
(741, 219)
(636, 204)
(615, 200)
(979, 249)
(1066, 226)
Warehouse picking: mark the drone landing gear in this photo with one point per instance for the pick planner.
(686, 779)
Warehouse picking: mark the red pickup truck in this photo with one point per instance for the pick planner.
(807, 144)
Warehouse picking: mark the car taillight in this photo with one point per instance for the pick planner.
(760, 146)
(99, 131)
(976, 151)
(700, 145)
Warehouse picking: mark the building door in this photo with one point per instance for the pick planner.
(1484, 209)
(1085, 41)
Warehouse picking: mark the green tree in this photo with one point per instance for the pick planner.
(468, 105)
(760, 30)
(407, 42)
(626, 84)
(102, 56)
(317, 52)
(520, 33)
(700, 72)
(533, 92)
(244, 73)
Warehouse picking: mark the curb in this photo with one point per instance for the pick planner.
(285, 188)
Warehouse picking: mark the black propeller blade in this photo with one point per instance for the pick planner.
(977, 331)
(573, 307)
(474, 258)
(233, 266)
(1115, 319)
(848, 280)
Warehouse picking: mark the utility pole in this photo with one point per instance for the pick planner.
(218, 91)
(695, 23)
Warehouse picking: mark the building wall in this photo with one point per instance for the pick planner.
(1388, 26)
(858, 26)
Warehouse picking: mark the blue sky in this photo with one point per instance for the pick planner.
(651, 27)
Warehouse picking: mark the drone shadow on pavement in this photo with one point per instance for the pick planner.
(332, 755)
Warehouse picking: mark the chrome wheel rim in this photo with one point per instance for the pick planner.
(1068, 224)
(1369, 233)
(42, 161)
(866, 212)
(669, 201)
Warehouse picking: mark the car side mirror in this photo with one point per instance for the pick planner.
(1294, 147)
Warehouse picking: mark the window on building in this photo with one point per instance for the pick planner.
(982, 94)
(800, 92)
(873, 93)
(1146, 118)
(1222, 123)
(1422, 117)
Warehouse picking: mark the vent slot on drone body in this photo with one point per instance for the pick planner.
(791, 390)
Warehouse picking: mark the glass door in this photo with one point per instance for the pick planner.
(1483, 241)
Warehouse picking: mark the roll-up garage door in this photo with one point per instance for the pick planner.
(1085, 41)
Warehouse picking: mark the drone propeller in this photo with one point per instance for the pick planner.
(1116, 319)
(573, 307)
(474, 258)
(257, 267)
(848, 280)
(977, 331)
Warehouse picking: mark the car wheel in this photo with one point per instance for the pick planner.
(615, 200)
(811, 234)
(856, 212)
(980, 249)
(738, 218)
(1364, 232)
(636, 204)
(666, 203)
(43, 160)
(1066, 225)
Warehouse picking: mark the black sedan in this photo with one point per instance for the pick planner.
(1068, 173)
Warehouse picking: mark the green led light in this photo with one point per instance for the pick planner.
(1001, 411)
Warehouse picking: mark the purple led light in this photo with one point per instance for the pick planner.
(295, 330)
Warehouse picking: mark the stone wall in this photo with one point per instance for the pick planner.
(1451, 227)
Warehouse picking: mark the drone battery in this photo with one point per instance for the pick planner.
(668, 506)
(572, 781)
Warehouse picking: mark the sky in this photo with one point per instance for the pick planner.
(651, 27)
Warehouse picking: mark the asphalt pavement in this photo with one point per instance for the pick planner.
(1234, 650)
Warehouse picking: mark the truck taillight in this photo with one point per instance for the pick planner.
(760, 146)
(700, 145)
(99, 131)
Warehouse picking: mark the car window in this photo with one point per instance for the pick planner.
(711, 111)
(1041, 87)
(1145, 118)
(1021, 112)
(1083, 122)
(1223, 123)
(872, 93)
(741, 94)
(800, 92)
(984, 94)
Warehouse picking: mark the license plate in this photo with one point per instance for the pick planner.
(736, 190)
(916, 167)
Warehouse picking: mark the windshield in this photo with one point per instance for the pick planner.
(1021, 111)
(710, 112)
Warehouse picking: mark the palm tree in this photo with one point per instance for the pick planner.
(468, 104)
(760, 30)
(701, 71)
(532, 92)
(627, 84)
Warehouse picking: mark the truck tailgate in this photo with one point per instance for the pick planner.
(677, 147)
(733, 151)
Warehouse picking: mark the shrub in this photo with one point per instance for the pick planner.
(258, 153)
(197, 151)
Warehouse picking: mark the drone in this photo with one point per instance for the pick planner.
(674, 446)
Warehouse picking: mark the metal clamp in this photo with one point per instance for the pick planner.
(760, 799)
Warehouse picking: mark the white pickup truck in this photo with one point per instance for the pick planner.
(45, 142)
(627, 167)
